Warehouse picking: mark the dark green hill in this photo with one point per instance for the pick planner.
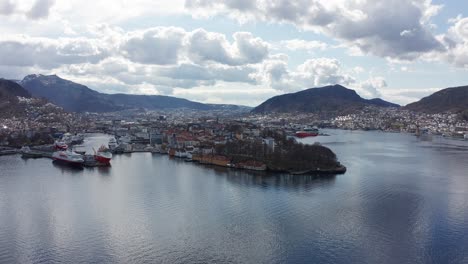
(447, 100)
(328, 100)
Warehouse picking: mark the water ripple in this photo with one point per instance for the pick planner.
(402, 201)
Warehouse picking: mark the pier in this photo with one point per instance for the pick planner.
(89, 160)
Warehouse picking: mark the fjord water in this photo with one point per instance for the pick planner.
(403, 200)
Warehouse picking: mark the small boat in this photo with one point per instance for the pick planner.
(60, 145)
(68, 157)
(103, 155)
(164, 151)
(189, 154)
(77, 139)
(172, 152)
(156, 150)
(148, 148)
(118, 150)
(181, 153)
(67, 138)
(27, 153)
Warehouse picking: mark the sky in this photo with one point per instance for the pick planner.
(239, 51)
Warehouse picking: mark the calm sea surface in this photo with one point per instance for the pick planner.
(403, 200)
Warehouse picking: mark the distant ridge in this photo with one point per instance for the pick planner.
(10, 89)
(76, 97)
(9, 102)
(329, 100)
(447, 100)
(69, 95)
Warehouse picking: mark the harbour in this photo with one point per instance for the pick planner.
(401, 200)
(202, 131)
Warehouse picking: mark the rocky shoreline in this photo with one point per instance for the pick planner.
(338, 170)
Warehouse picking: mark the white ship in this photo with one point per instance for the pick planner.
(112, 143)
(103, 155)
(68, 157)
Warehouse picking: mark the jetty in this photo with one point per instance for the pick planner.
(46, 152)
(8, 151)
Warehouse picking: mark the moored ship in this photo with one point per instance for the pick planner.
(68, 157)
(113, 143)
(26, 153)
(307, 132)
(103, 155)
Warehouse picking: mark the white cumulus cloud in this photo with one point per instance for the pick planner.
(397, 28)
(40, 9)
(7, 7)
(206, 46)
(154, 46)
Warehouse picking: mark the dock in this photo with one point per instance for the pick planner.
(89, 160)
(8, 151)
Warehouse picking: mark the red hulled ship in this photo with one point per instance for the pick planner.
(68, 157)
(307, 132)
(103, 155)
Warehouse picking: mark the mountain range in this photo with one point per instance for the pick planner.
(329, 100)
(76, 97)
